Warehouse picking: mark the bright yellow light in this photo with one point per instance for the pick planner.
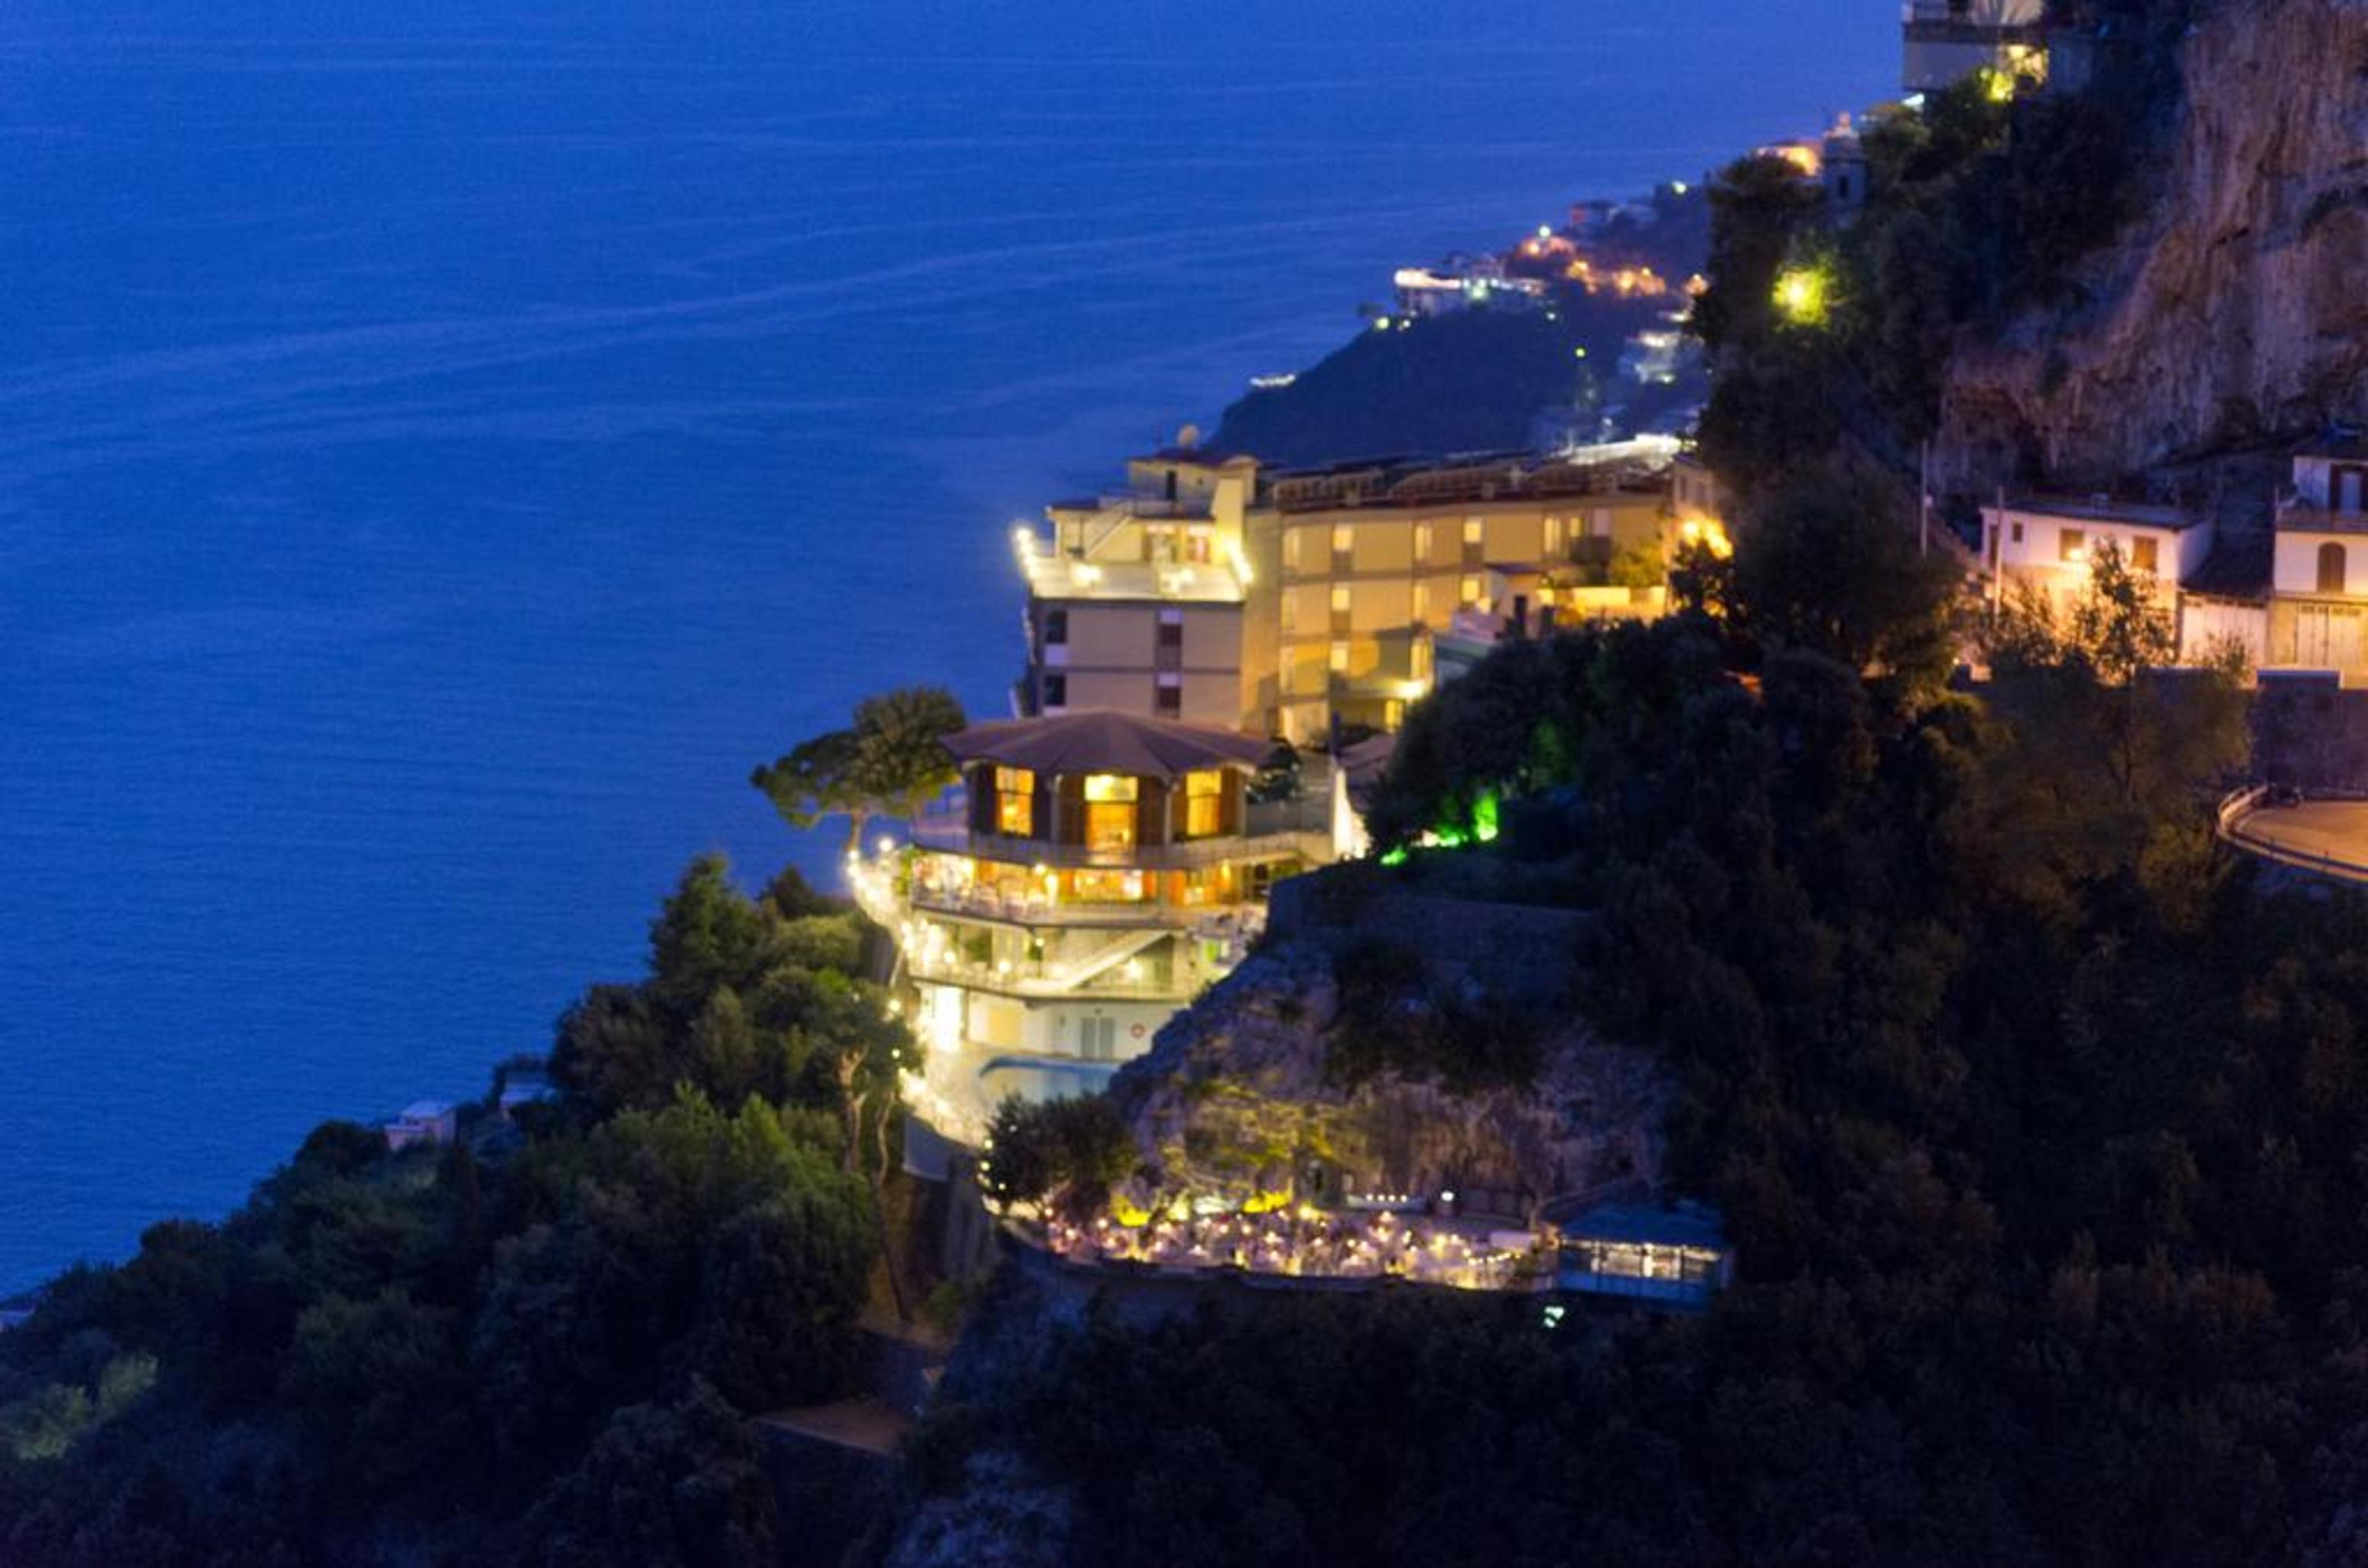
(1803, 296)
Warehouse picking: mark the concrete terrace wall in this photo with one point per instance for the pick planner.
(1519, 951)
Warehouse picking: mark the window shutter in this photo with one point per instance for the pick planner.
(1154, 823)
(981, 798)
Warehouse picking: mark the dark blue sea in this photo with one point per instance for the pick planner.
(442, 448)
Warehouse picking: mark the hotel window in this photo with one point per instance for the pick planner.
(1171, 628)
(2072, 546)
(1340, 603)
(1290, 549)
(1600, 523)
(1339, 660)
(1553, 538)
(1204, 804)
(1056, 627)
(1109, 811)
(1476, 536)
(1168, 703)
(1290, 613)
(1469, 591)
(1422, 544)
(1344, 546)
(2144, 553)
(2018, 531)
(1056, 691)
(2330, 568)
(1015, 801)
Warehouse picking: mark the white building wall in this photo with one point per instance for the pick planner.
(2296, 568)
(2206, 626)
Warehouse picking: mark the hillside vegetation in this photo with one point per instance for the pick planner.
(538, 1344)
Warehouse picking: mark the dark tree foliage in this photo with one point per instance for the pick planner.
(1979, 207)
(2034, 1115)
(888, 761)
(676, 1486)
(541, 1342)
(1072, 1150)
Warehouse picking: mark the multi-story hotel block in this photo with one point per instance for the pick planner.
(1135, 602)
(1211, 592)
(1358, 569)
(1099, 871)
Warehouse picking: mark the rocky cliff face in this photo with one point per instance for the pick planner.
(1233, 1099)
(2239, 310)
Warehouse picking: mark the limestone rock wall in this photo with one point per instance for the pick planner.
(1234, 1100)
(2239, 310)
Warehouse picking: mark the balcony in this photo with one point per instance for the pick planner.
(1099, 973)
(1015, 909)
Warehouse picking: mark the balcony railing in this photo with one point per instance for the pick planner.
(1270, 831)
(1041, 982)
(1031, 909)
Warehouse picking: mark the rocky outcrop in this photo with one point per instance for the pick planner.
(2237, 311)
(1234, 1100)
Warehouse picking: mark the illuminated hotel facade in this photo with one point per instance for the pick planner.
(1211, 592)
(1099, 871)
(1361, 570)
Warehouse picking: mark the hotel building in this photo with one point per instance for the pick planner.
(1135, 599)
(1099, 871)
(1357, 569)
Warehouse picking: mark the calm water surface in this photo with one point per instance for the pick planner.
(440, 452)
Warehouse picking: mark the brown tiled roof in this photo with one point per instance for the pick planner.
(1097, 742)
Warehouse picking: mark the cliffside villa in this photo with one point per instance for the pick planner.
(1095, 872)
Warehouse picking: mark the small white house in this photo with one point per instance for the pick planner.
(2051, 544)
(424, 1122)
(2318, 611)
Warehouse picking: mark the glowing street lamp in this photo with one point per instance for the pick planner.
(1803, 296)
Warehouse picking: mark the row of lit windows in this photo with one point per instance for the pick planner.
(1469, 590)
(1111, 803)
(1474, 533)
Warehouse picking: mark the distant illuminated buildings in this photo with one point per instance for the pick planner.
(1946, 40)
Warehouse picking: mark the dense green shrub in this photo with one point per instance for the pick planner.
(416, 1347)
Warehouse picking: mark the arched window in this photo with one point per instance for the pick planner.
(2330, 568)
